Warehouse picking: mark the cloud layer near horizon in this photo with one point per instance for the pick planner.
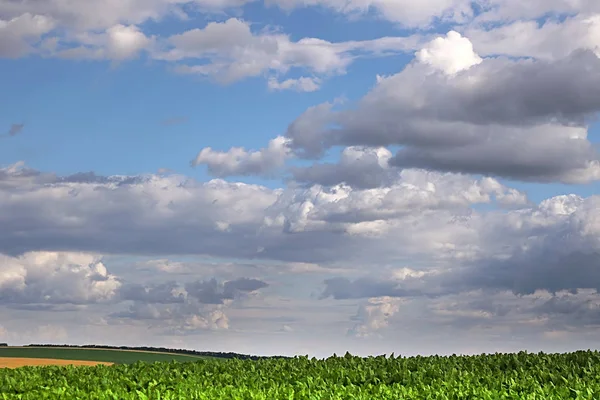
(423, 243)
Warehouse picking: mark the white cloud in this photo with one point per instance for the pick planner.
(229, 51)
(238, 161)
(214, 320)
(235, 52)
(307, 131)
(183, 309)
(372, 211)
(303, 84)
(175, 319)
(20, 32)
(95, 15)
(55, 279)
(117, 43)
(226, 51)
(512, 10)
(519, 119)
(93, 29)
(406, 12)
(550, 40)
(359, 167)
(125, 41)
(167, 214)
(374, 315)
(460, 265)
(450, 55)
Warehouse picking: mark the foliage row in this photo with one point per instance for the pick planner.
(486, 377)
(157, 349)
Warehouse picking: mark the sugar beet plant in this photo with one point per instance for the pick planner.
(486, 377)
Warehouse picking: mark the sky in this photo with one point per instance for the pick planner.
(301, 177)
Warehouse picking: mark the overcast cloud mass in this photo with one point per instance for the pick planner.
(221, 175)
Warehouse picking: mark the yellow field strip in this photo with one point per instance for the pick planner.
(14, 362)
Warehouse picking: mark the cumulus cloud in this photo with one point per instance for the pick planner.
(414, 191)
(424, 217)
(408, 13)
(117, 43)
(548, 40)
(71, 206)
(307, 132)
(374, 211)
(72, 28)
(534, 159)
(178, 319)
(512, 10)
(184, 308)
(553, 247)
(239, 161)
(151, 215)
(102, 14)
(226, 51)
(21, 32)
(125, 41)
(93, 29)
(374, 316)
(561, 256)
(303, 84)
(486, 93)
(164, 293)
(214, 320)
(211, 292)
(520, 119)
(229, 51)
(359, 167)
(423, 14)
(568, 310)
(55, 279)
(534, 267)
(450, 55)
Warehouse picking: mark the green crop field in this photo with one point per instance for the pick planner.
(520, 376)
(106, 355)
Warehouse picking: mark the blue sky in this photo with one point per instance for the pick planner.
(86, 111)
(386, 172)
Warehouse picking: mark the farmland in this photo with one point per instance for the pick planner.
(499, 376)
(103, 355)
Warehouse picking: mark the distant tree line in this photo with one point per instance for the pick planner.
(3, 344)
(160, 349)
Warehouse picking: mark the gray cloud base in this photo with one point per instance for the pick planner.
(522, 119)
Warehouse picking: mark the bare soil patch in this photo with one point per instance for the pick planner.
(15, 362)
(100, 349)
